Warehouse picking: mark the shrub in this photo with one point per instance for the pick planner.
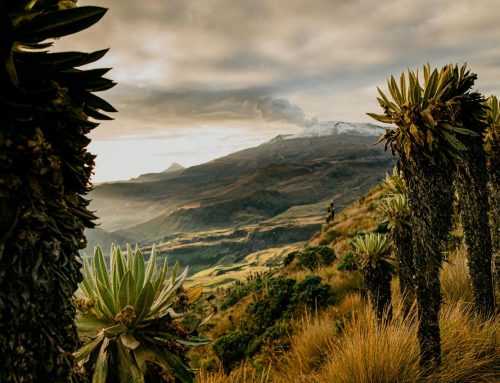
(312, 293)
(329, 237)
(315, 256)
(273, 305)
(128, 316)
(348, 263)
(290, 257)
(232, 348)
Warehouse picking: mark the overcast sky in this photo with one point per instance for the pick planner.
(202, 78)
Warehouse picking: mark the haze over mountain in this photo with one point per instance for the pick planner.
(267, 196)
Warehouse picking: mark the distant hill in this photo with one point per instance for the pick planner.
(286, 182)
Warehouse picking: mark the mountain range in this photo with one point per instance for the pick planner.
(268, 196)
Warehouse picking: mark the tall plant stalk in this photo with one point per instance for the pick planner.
(45, 105)
(427, 138)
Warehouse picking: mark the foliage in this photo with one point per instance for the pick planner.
(425, 117)
(232, 348)
(330, 212)
(373, 251)
(314, 257)
(45, 169)
(329, 237)
(266, 322)
(393, 184)
(312, 293)
(492, 134)
(348, 263)
(290, 257)
(272, 304)
(127, 314)
(395, 211)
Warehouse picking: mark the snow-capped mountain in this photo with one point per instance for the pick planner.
(328, 128)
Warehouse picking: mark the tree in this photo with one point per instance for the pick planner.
(427, 137)
(492, 140)
(373, 252)
(473, 206)
(45, 105)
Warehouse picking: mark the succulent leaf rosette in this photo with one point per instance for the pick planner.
(130, 315)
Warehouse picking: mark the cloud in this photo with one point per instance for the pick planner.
(267, 65)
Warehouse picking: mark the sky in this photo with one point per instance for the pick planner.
(199, 79)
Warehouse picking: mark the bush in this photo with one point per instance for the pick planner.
(329, 237)
(312, 293)
(348, 263)
(232, 348)
(290, 257)
(268, 309)
(315, 256)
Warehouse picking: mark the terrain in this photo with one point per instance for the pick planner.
(268, 197)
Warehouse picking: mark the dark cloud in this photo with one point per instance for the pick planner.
(282, 60)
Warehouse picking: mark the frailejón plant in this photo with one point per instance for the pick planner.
(427, 135)
(373, 253)
(47, 103)
(130, 315)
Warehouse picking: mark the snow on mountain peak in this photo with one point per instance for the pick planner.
(328, 128)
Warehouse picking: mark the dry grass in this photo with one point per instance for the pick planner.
(365, 351)
(455, 281)
(242, 374)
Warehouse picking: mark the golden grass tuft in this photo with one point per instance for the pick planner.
(242, 374)
(455, 280)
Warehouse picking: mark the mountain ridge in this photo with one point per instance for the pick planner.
(246, 190)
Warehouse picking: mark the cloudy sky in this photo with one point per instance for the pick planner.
(203, 78)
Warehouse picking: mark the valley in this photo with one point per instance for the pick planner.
(272, 196)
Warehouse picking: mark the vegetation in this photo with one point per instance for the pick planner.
(473, 206)
(314, 257)
(266, 322)
(373, 251)
(348, 344)
(232, 348)
(427, 137)
(45, 104)
(348, 263)
(129, 316)
(492, 139)
(394, 209)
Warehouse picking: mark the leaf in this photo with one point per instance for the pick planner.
(143, 355)
(128, 370)
(107, 298)
(127, 292)
(455, 143)
(58, 23)
(64, 60)
(194, 342)
(101, 270)
(381, 118)
(151, 267)
(172, 362)
(113, 331)
(84, 351)
(89, 325)
(138, 269)
(193, 294)
(101, 364)
(92, 101)
(144, 301)
(129, 341)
